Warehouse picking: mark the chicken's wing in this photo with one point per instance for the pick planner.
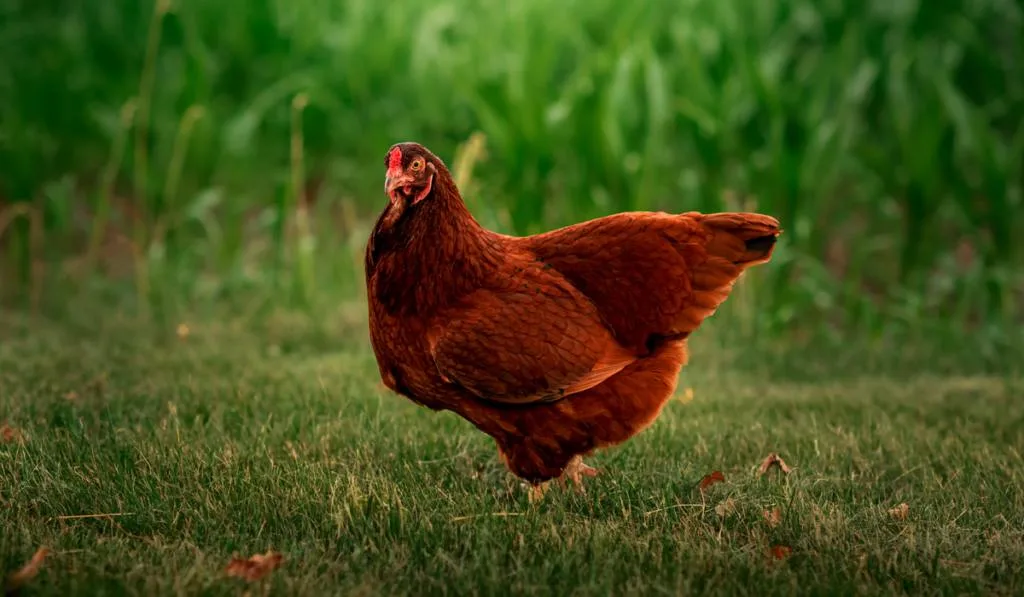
(536, 339)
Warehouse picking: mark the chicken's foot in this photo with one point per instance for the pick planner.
(575, 471)
(536, 492)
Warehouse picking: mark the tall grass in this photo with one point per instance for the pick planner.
(221, 142)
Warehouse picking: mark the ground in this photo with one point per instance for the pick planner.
(145, 462)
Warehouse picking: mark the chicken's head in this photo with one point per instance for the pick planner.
(410, 174)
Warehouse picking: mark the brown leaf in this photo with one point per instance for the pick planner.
(9, 435)
(771, 460)
(256, 567)
(900, 512)
(709, 480)
(773, 517)
(27, 572)
(183, 331)
(781, 552)
(725, 508)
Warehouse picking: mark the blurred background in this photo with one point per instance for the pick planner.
(175, 156)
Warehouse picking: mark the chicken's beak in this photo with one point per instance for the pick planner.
(393, 181)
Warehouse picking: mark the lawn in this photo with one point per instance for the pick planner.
(146, 459)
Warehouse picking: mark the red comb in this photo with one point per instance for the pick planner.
(395, 159)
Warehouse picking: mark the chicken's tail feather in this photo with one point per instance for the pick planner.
(744, 239)
(761, 244)
(734, 242)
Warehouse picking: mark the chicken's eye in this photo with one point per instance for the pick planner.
(417, 165)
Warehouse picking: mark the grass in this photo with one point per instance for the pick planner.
(229, 437)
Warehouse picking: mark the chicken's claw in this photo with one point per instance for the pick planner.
(536, 492)
(575, 471)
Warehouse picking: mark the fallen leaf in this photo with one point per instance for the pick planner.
(27, 572)
(709, 480)
(773, 517)
(900, 512)
(771, 460)
(183, 331)
(256, 567)
(686, 396)
(10, 434)
(781, 552)
(71, 396)
(725, 508)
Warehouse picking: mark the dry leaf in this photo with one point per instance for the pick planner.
(28, 571)
(71, 396)
(686, 396)
(183, 331)
(10, 434)
(256, 567)
(771, 460)
(709, 480)
(773, 517)
(725, 508)
(781, 552)
(900, 512)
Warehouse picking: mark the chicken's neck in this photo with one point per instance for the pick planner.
(421, 262)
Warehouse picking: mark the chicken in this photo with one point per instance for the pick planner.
(555, 344)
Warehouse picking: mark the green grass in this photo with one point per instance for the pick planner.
(244, 437)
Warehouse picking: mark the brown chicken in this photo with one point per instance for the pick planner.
(554, 344)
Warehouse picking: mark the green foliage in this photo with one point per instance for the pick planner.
(887, 136)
